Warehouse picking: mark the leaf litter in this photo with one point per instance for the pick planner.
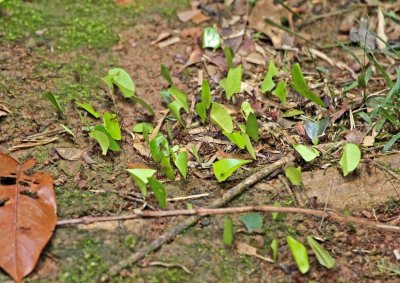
(273, 144)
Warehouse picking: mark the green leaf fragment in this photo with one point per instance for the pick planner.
(294, 175)
(141, 178)
(165, 73)
(181, 162)
(175, 108)
(160, 192)
(140, 127)
(54, 101)
(323, 256)
(122, 80)
(252, 221)
(180, 97)
(228, 52)
(111, 124)
(233, 82)
(201, 110)
(268, 83)
(350, 159)
(228, 231)
(252, 127)
(211, 38)
(292, 113)
(224, 168)
(206, 93)
(114, 146)
(68, 130)
(102, 139)
(220, 117)
(274, 248)
(306, 152)
(280, 91)
(88, 108)
(300, 86)
(246, 109)
(299, 253)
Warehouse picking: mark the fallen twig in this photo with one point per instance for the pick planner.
(233, 210)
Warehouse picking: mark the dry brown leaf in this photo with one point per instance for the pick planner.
(69, 153)
(251, 251)
(380, 31)
(28, 214)
(162, 36)
(267, 9)
(186, 16)
(168, 42)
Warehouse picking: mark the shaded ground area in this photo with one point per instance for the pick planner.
(66, 49)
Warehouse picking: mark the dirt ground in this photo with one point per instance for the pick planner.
(67, 48)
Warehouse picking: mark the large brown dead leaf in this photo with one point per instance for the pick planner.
(266, 9)
(28, 215)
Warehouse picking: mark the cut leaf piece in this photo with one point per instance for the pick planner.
(306, 152)
(201, 110)
(54, 101)
(316, 128)
(300, 86)
(323, 256)
(159, 147)
(68, 130)
(211, 38)
(228, 52)
(274, 248)
(268, 84)
(292, 113)
(111, 124)
(165, 74)
(350, 159)
(175, 108)
(28, 214)
(139, 127)
(252, 221)
(141, 178)
(252, 127)
(249, 146)
(220, 117)
(228, 231)
(114, 146)
(181, 162)
(160, 192)
(294, 175)
(142, 102)
(280, 91)
(224, 168)
(102, 139)
(236, 138)
(180, 96)
(246, 109)
(88, 108)
(206, 93)
(233, 82)
(299, 253)
(122, 80)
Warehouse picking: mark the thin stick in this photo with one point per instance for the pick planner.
(171, 233)
(200, 212)
(189, 197)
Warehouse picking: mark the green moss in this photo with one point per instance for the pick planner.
(66, 26)
(76, 203)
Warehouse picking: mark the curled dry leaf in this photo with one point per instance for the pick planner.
(28, 215)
